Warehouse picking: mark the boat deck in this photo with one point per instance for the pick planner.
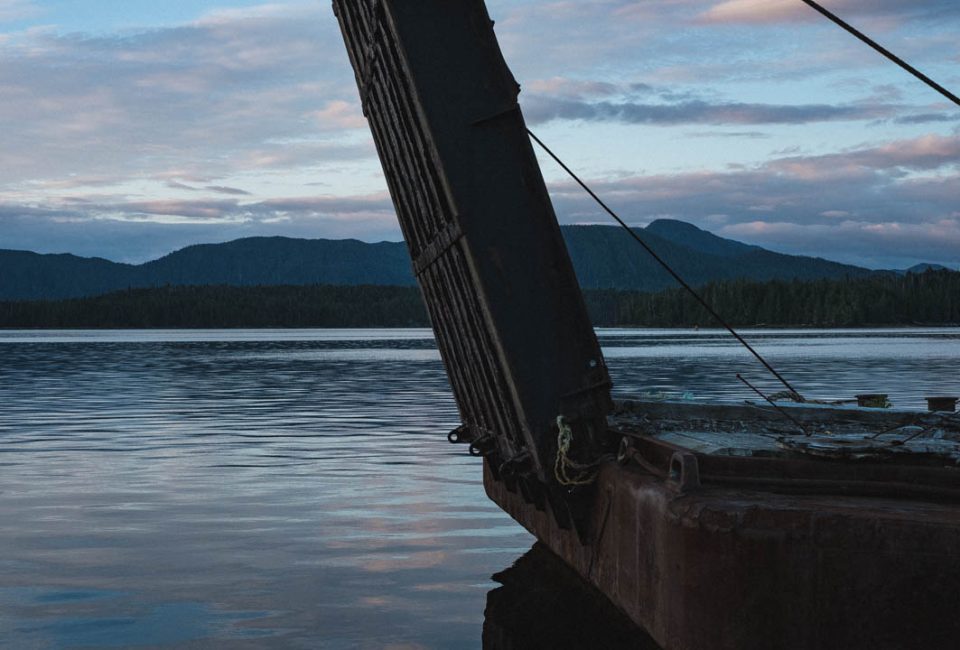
(796, 431)
(726, 526)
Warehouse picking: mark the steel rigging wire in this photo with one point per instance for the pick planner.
(882, 50)
(852, 30)
(676, 276)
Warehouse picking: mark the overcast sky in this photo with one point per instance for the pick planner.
(130, 129)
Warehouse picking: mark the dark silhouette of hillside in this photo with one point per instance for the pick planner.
(604, 257)
(930, 298)
(243, 262)
(607, 258)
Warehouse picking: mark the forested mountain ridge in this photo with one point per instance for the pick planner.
(681, 232)
(604, 257)
(25, 275)
(242, 262)
(930, 298)
(283, 260)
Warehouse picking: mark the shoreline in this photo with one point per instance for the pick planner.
(754, 328)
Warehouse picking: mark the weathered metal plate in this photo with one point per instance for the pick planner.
(504, 301)
(742, 569)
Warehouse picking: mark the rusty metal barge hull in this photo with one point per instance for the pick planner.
(711, 531)
(733, 568)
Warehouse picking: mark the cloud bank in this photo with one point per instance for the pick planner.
(887, 206)
(245, 121)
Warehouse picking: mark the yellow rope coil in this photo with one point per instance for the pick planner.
(566, 470)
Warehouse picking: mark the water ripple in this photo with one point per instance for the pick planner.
(295, 488)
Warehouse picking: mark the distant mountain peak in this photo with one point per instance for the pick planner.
(689, 235)
(926, 266)
(604, 258)
(666, 225)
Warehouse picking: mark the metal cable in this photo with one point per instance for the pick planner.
(666, 266)
(776, 406)
(852, 30)
(884, 51)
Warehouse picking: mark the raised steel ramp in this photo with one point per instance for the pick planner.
(505, 304)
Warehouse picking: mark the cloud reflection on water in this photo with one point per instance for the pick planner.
(295, 488)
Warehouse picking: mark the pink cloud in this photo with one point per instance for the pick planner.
(565, 87)
(338, 114)
(756, 12)
(926, 152)
(882, 13)
(946, 230)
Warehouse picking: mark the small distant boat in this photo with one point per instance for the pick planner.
(711, 526)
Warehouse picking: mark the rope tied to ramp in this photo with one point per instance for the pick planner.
(567, 471)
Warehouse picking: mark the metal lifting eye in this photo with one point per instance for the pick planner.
(458, 435)
(482, 446)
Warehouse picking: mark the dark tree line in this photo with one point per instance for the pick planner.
(931, 298)
(226, 306)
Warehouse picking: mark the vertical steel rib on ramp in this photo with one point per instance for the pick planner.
(491, 262)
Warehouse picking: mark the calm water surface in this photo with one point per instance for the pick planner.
(243, 488)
